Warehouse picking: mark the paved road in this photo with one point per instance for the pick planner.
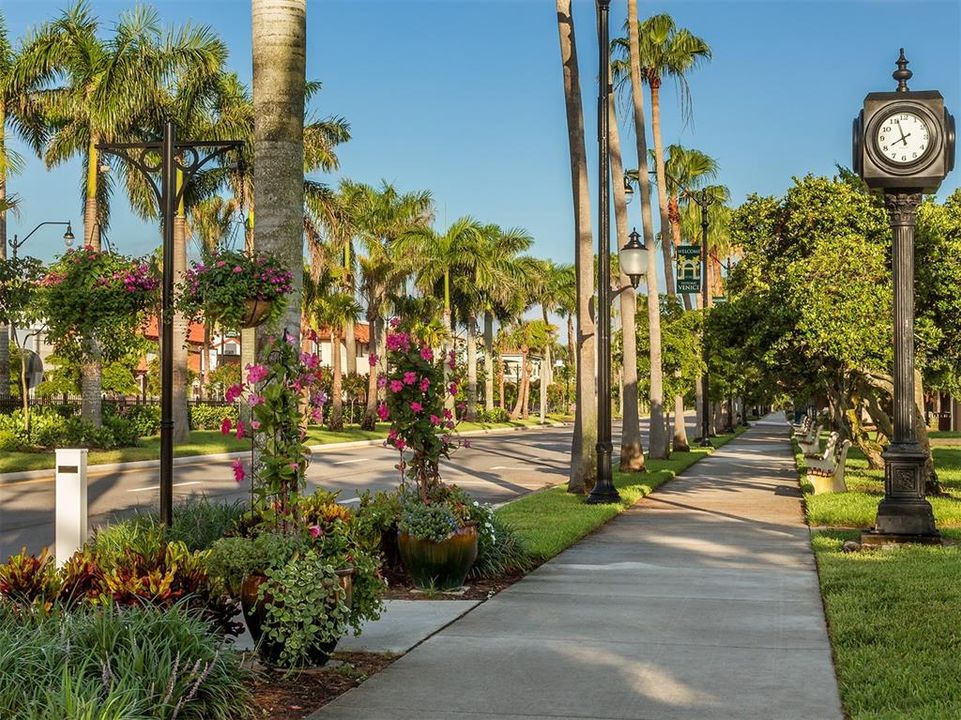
(495, 468)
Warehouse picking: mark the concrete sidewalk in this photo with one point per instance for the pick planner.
(700, 602)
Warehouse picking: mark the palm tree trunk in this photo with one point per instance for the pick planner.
(471, 366)
(501, 382)
(4, 329)
(659, 169)
(546, 372)
(336, 390)
(91, 402)
(488, 361)
(526, 386)
(350, 346)
(181, 348)
(632, 452)
(279, 64)
(583, 445)
(519, 404)
(370, 414)
(658, 437)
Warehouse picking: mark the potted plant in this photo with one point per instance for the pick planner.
(235, 289)
(437, 537)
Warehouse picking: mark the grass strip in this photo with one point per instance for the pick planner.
(894, 617)
(552, 520)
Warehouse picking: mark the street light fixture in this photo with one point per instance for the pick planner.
(632, 259)
(703, 201)
(16, 243)
(628, 190)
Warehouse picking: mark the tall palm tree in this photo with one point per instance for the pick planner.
(658, 435)
(20, 114)
(527, 336)
(279, 77)
(584, 443)
(334, 310)
(547, 290)
(632, 452)
(92, 91)
(380, 217)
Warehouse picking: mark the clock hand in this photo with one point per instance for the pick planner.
(904, 139)
(901, 130)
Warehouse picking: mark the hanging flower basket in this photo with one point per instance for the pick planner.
(235, 290)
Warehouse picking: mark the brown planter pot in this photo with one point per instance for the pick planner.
(255, 613)
(389, 549)
(255, 311)
(439, 565)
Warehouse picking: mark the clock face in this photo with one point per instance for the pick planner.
(902, 138)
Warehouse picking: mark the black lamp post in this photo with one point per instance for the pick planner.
(703, 201)
(16, 244)
(167, 157)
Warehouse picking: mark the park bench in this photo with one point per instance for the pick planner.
(827, 475)
(801, 428)
(818, 454)
(811, 443)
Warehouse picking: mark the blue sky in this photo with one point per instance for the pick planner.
(464, 97)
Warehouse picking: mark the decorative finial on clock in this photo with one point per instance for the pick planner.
(902, 74)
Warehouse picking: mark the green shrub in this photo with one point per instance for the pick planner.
(144, 418)
(500, 550)
(209, 417)
(108, 663)
(495, 415)
(49, 428)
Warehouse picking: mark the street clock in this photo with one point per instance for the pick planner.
(904, 139)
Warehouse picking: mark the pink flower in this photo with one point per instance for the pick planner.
(448, 414)
(373, 359)
(416, 407)
(317, 415)
(410, 377)
(314, 531)
(427, 354)
(434, 420)
(255, 424)
(382, 412)
(233, 392)
(241, 430)
(394, 322)
(382, 381)
(461, 406)
(453, 388)
(254, 400)
(396, 386)
(226, 426)
(238, 269)
(239, 472)
(256, 373)
(309, 360)
(465, 443)
(400, 444)
(452, 360)
(294, 466)
(424, 385)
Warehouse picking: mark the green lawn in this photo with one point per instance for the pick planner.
(894, 614)
(552, 520)
(209, 442)
(858, 507)
(895, 623)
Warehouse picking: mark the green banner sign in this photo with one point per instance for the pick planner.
(688, 269)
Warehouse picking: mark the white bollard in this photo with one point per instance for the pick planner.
(71, 520)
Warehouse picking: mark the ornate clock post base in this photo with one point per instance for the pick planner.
(904, 516)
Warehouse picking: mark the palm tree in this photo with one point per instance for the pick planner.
(19, 113)
(549, 279)
(658, 437)
(380, 217)
(334, 311)
(91, 91)
(583, 445)
(279, 77)
(527, 336)
(632, 452)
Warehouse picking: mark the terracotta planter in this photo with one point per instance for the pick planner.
(439, 565)
(255, 312)
(255, 614)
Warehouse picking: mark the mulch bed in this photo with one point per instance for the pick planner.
(399, 589)
(279, 696)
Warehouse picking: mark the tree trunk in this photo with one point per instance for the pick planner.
(666, 238)
(181, 323)
(91, 402)
(547, 370)
(488, 361)
(658, 438)
(632, 451)
(279, 76)
(350, 347)
(375, 324)
(471, 367)
(583, 446)
(526, 386)
(519, 404)
(337, 385)
(501, 382)
(680, 430)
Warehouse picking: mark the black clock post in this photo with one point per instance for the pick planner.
(904, 147)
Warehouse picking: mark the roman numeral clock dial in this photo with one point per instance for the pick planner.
(903, 138)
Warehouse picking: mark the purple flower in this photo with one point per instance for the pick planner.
(255, 399)
(427, 354)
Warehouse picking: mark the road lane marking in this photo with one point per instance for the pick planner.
(348, 501)
(157, 487)
(514, 467)
(345, 462)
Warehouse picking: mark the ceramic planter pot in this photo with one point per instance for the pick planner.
(255, 615)
(439, 565)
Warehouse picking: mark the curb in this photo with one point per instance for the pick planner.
(14, 477)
